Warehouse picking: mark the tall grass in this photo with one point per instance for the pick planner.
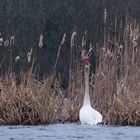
(117, 80)
(114, 87)
(34, 102)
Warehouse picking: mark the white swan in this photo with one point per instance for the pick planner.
(87, 114)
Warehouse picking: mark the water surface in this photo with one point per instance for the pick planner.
(69, 132)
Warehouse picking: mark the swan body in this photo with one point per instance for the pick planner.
(87, 114)
(90, 116)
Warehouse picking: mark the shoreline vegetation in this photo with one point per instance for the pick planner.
(114, 87)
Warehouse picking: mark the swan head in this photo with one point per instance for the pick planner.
(86, 56)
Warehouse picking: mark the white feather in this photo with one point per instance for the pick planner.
(87, 114)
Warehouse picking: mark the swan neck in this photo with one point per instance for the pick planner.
(87, 96)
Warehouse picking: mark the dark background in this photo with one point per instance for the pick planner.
(27, 19)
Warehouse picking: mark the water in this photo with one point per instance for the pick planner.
(69, 132)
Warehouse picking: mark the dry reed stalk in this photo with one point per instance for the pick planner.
(117, 80)
(73, 69)
(115, 86)
(28, 103)
(32, 102)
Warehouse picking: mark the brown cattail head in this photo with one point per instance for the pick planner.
(121, 47)
(73, 39)
(83, 41)
(12, 40)
(41, 41)
(29, 55)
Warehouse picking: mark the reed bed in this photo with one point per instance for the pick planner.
(117, 79)
(32, 102)
(114, 87)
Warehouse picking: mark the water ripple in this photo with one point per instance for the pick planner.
(69, 132)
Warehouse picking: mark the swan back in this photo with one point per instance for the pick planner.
(90, 116)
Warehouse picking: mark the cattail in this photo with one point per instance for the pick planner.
(105, 15)
(29, 54)
(41, 41)
(64, 39)
(12, 40)
(6, 43)
(73, 39)
(83, 41)
(1, 41)
(17, 58)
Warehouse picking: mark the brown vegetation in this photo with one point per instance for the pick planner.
(117, 80)
(114, 88)
(35, 102)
